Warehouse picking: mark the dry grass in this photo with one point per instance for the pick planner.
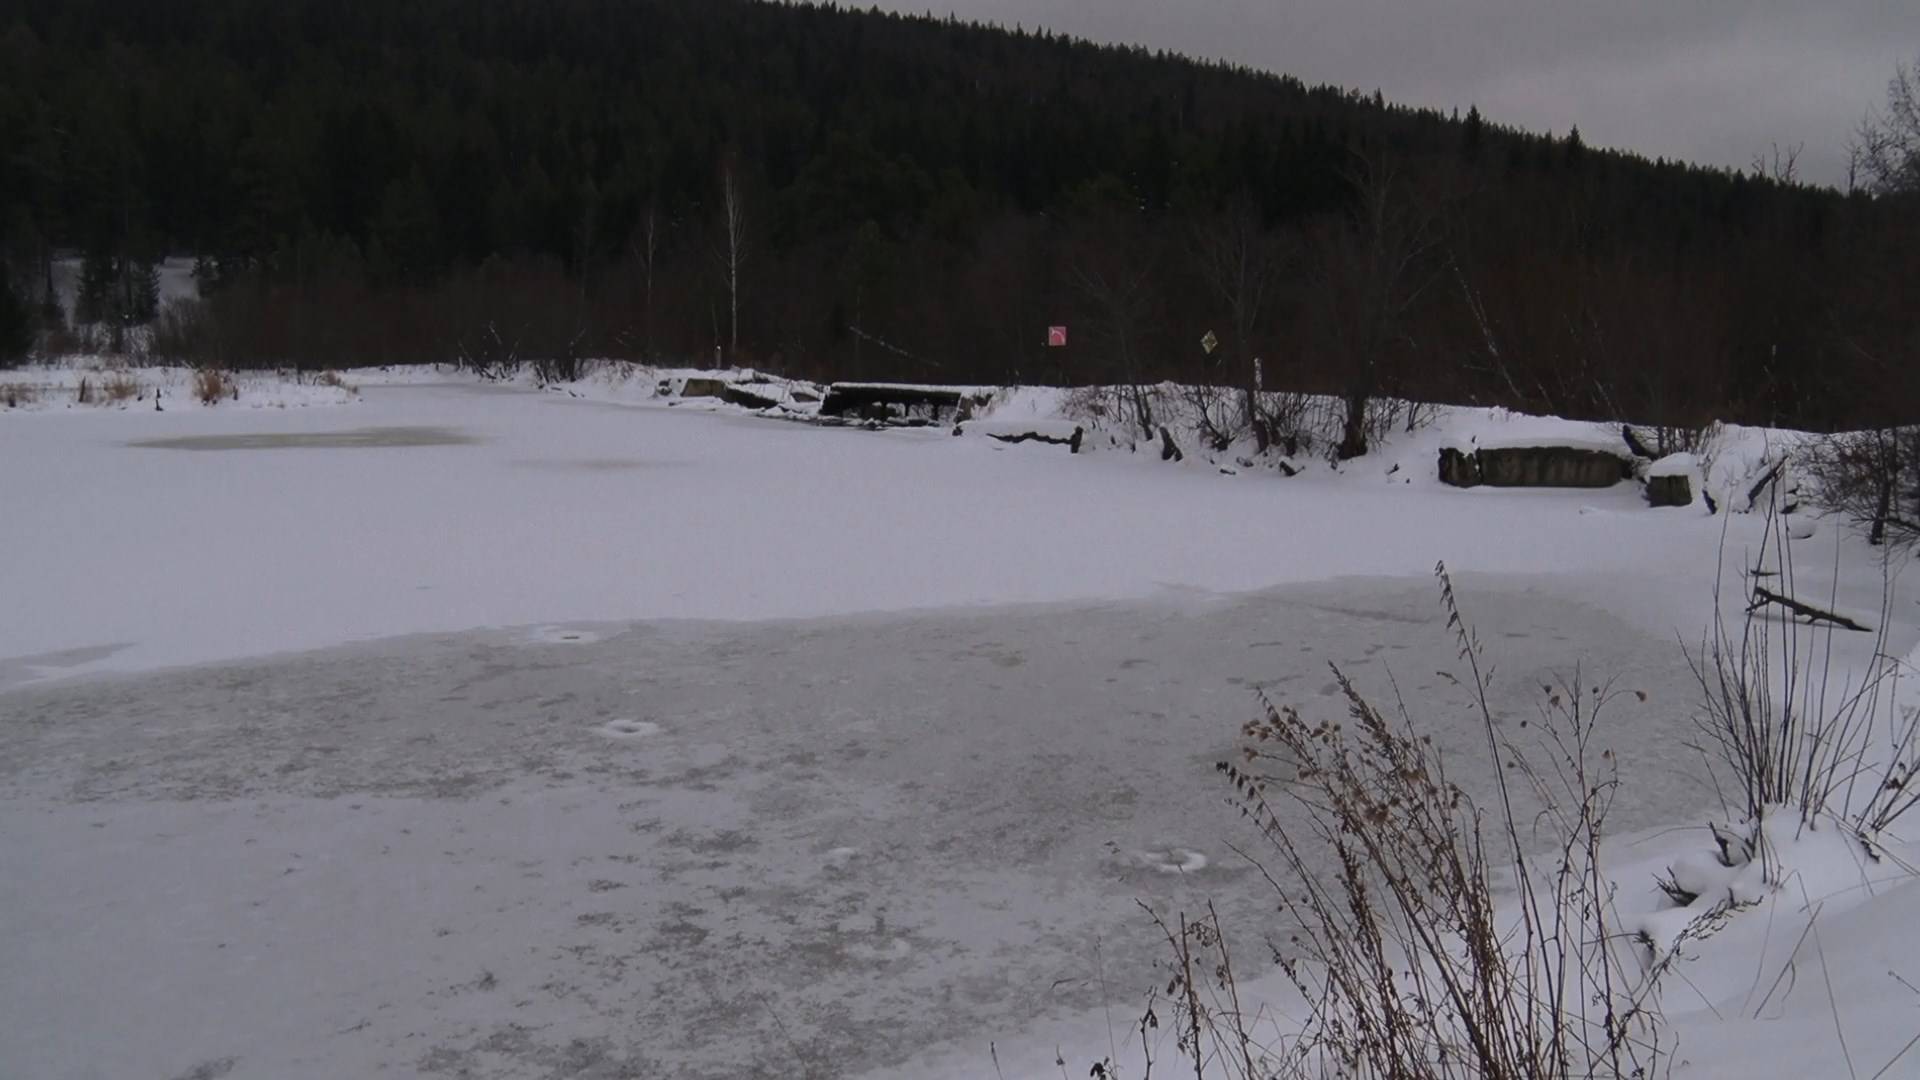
(332, 378)
(211, 385)
(119, 389)
(14, 395)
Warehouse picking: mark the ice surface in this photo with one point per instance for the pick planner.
(690, 850)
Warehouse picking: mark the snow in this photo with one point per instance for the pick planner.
(1735, 459)
(1674, 465)
(509, 731)
(541, 508)
(931, 388)
(1812, 972)
(1499, 429)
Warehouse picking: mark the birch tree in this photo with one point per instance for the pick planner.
(733, 252)
(645, 246)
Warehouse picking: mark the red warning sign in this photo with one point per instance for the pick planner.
(1056, 337)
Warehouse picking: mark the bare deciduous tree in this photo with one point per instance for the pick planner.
(1241, 260)
(1375, 270)
(1119, 294)
(1873, 479)
(1885, 155)
(1113, 266)
(1781, 164)
(1873, 476)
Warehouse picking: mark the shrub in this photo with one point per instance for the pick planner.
(1408, 968)
(488, 353)
(1871, 478)
(119, 388)
(187, 332)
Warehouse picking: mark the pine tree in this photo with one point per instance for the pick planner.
(95, 302)
(1472, 133)
(118, 290)
(1576, 146)
(16, 322)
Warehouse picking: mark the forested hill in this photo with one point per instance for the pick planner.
(840, 193)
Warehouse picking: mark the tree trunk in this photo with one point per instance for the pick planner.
(1353, 435)
(1882, 511)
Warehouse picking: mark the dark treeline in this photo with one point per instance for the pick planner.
(832, 193)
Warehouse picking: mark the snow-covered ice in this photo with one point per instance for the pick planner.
(176, 538)
(600, 738)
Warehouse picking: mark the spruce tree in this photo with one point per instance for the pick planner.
(118, 290)
(1472, 133)
(16, 322)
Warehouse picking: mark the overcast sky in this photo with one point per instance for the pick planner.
(1715, 81)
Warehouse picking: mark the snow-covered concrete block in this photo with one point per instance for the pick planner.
(1533, 466)
(1671, 481)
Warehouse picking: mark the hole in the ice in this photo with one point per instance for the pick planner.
(880, 951)
(564, 635)
(627, 728)
(357, 439)
(1173, 860)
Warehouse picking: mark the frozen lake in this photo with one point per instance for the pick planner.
(714, 747)
(809, 848)
(137, 540)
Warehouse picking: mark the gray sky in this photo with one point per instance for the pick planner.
(1714, 81)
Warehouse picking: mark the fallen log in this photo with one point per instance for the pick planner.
(1635, 446)
(1072, 441)
(1773, 474)
(1763, 596)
